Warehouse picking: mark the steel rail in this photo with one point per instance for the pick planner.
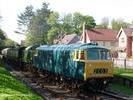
(114, 95)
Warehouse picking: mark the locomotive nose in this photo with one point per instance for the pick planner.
(100, 69)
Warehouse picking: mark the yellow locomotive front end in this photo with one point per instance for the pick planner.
(97, 63)
(98, 69)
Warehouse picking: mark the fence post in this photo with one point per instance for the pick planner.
(125, 63)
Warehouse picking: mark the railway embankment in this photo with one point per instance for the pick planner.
(12, 89)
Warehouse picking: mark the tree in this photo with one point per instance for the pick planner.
(2, 38)
(38, 26)
(67, 26)
(55, 27)
(104, 23)
(118, 23)
(2, 35)
(90, 22)
(72, 23)
(25, 18)
(9, 43)
(77, 22)
(79, 19)
(52, 33)
(30, 39)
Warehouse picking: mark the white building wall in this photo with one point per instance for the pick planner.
(122, 40)
(122, 43)
(106, 43)
(122, 55)
(87, 39)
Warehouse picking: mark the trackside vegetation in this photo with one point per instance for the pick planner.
(122, 89)
(127, 73)
(12, 89)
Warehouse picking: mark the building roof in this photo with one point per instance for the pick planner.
(128, 31)
(101, 34)
(68, 39)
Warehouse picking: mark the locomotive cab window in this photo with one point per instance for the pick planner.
(105, 55)
(79, 55)
(75, 54)
(98, 54)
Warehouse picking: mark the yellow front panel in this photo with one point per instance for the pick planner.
(98, 69)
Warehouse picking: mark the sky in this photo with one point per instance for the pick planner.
(10, 9)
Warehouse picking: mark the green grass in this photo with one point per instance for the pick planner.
(122, 89)
(12, 89)
(123, 72)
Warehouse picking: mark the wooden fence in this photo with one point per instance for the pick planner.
(123, 63)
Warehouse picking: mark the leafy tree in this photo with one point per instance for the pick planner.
(4, 42)
(2, 38)
(43, 25)
(67, 26)
(25, 18)
(52, 33)
(9, 43)
(104, 23)
(79, 19)
(73, 23)
(38, 27)
(55, 25)
(2, 35)
(117, 24)
(53, 19)
(30, 39)
(90, 22)
(70, 23)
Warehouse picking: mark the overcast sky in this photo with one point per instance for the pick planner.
(9, 9)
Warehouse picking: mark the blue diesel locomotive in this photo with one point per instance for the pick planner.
(84, 62)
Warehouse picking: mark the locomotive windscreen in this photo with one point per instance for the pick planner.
(98, 54)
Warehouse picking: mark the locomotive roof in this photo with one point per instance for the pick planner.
(70, 46)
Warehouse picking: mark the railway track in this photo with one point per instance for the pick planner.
(49, 91)
(114, 95)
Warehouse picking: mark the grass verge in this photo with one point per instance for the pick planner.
(12, 89)
(123, 72)
(122, 89)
